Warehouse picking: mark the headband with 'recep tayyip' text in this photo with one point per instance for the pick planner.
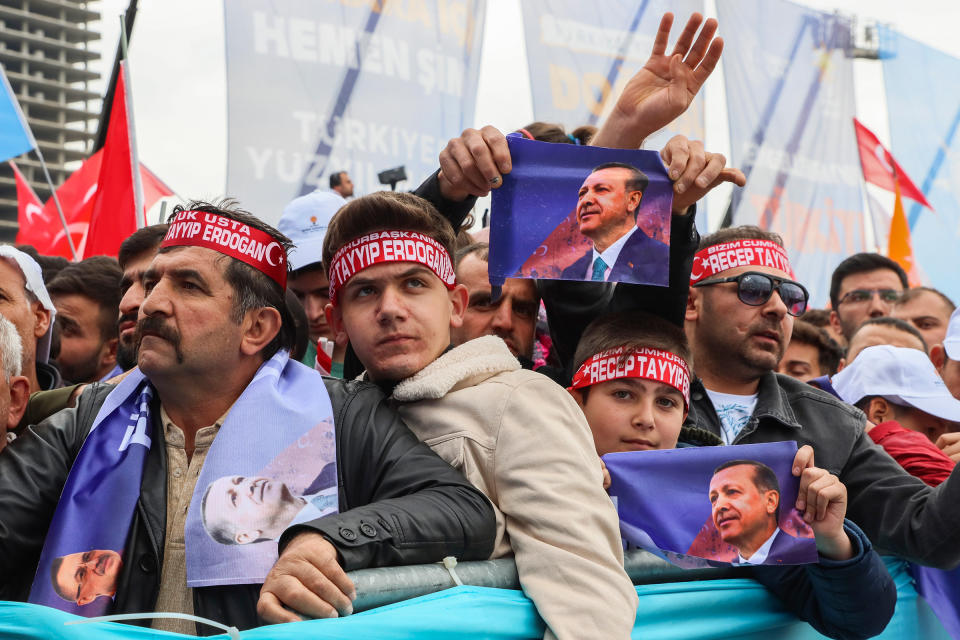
(645, 363)
(231, 238)
(389, 246)
(714, 259)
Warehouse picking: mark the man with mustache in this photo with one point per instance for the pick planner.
(136, 254)
(84, 576)
(742, 302)
(745, 501)
(607, 207)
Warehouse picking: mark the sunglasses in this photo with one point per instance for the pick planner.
(859, 296)
(755, 288)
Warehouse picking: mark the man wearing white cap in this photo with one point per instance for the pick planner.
(305, 222)
(899, 389)
(26, 303)
(946, 358)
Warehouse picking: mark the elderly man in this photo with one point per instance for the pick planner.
(739, 315)
(14, 388)
(213, 338)
(26, 303)
(607, 206)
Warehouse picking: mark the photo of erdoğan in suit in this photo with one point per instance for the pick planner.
(607, 206)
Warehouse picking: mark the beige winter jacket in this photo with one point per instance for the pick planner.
(522, 440)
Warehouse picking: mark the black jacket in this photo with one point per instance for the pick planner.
(399, 503)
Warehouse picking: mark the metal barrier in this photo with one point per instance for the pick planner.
(378, 587)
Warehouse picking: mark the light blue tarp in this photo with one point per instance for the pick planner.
(736, 608)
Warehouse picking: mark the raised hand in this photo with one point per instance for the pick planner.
(473, 163)
(695, 171)
(666, 85)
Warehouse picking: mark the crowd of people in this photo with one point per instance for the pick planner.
(452, 418)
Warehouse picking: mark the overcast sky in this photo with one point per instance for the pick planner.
(178, 78)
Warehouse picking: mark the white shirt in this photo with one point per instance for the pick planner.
(760, 555)
(734, 411)
(610, 255)
(318, 505)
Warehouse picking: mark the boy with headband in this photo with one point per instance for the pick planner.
(514, 433)
(633, 384)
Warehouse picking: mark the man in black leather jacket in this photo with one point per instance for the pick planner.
(399, 503)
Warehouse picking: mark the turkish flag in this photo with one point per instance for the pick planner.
(34, 226)
(114, 215)
(881, 169)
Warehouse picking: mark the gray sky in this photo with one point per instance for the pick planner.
(178, 78)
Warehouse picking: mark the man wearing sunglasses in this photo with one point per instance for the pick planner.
(739, 318)
(864, 286)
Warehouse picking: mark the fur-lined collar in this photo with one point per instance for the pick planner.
(486, 356)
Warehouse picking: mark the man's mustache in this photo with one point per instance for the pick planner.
(157, 327)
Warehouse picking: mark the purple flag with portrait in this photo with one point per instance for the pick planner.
(712, 505)
(570, 212)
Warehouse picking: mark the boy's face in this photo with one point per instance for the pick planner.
(632, 414)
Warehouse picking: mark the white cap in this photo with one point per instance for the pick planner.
(901, 375)
(305, 221)
(34, 276)
(951, 344)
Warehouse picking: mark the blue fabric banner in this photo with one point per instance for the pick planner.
(320, 87)
(790, 102)
(581, 55)
(559, 205)
(15, 135)
(924, 114)
(699, 610)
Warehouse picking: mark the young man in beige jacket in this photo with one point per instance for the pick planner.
(515, 434)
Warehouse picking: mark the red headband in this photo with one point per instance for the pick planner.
(389, 246)
(231, 238)
(648, 364)
(711, 260)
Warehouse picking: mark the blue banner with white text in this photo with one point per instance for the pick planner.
(790, 102)
(924, 112)
(319, 87)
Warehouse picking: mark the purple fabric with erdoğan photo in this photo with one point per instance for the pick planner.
(562, 206)
(706, 506)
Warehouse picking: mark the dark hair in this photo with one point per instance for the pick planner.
(743, 232)
(829, 353)
(915, 292)
(98, 279)
(555, 133)
(632, 330)
(637, 181)
(54, 570)
(252, 288)
(313, 267)
(816, 317)
(50, 266)
(862, 263)
(299, 317)
(764, 479)
(141, 241)
(896, 323)
(385, 211)
(480, 249)
(336, 178)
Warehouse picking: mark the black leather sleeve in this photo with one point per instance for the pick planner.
(400, 503)
(454, 212)
(33, 470)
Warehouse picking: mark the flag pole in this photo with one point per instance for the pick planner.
(141, 215)
(56, 202)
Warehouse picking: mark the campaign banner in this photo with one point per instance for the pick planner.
(580, 58)
(315, 87)
(568, 212)
(924, 115)
(790, 100)
(704, 506)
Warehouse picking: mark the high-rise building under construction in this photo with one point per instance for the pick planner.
(45, 50)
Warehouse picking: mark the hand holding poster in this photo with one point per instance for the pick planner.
(581, 213)
(702, 506)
